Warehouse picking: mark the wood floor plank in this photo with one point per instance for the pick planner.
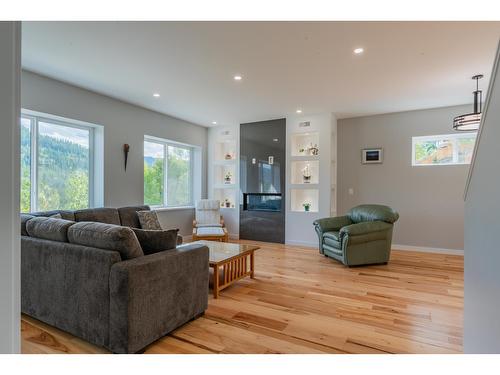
(302, 302)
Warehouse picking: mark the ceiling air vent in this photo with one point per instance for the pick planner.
(304, 124)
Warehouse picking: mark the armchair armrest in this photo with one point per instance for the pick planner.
(332, 223)
(364, 228)
(154, 294)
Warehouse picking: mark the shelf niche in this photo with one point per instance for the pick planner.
(220, 172)
(298, 168)
(223, 194)
(225, 148)
(300, 196)
(301, 143)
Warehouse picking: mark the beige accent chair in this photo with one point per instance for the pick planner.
(209, 224)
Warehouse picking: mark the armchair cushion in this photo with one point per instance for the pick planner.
(332, 239)
(329, 224)
(364, 228)
(333, 235)
(208, 213)
(210, 231)
(372, 212)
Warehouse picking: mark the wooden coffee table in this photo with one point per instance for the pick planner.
(230, 262)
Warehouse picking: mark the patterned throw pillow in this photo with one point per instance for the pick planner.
(149, 220)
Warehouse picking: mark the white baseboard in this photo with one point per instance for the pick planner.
(427, 249)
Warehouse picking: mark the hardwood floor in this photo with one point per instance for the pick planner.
(302, 302)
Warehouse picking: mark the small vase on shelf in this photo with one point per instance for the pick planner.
(306, 175)
(306, 206)
(228, 178)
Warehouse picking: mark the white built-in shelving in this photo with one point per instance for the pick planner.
(223, 173)
(311, 174)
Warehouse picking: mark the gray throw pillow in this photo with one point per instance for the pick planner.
(24, 220)
(49, 228)
(154, 241)
(149, 220)
(106, 236)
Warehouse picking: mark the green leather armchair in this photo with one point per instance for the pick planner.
(363, 236)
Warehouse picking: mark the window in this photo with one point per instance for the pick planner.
(168, 173)
(447, 149)
(56, 164)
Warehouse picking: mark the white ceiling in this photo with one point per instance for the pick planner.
(285, 65)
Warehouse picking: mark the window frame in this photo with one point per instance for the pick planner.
(454, 137)
(166, 143)
(37, 117)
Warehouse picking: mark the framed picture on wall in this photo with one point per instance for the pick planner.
(372, 155)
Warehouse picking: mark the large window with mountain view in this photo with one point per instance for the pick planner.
(168, 173)
(56, 164)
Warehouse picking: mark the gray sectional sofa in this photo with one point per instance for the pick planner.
(85, 272)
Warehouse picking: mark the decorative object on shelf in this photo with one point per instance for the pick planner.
(306, 174)
(228, 178)
(371, 155)
(228, 156)
(307, 206)
(126, 149)
(471, 121)
(313, 150)
(227, 203)
(310, 150)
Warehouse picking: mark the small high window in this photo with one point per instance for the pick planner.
(447, 149)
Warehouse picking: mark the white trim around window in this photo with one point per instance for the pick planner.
(96, 154)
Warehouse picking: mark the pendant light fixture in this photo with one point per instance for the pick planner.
(471, 121)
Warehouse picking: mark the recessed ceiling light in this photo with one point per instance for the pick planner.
(237, 77)
(214, 122)
(156, 95)
(298, 111)
(358, 51)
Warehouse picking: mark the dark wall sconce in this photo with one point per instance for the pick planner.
(126, 149)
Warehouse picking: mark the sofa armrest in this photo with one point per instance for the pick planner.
(153, 295)
(364, 228)
(67, 286)
(332, 223)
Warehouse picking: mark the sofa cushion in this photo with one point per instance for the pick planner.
(149, 220)
(106, 236)
(129, 217)
(100, 215)
(24, 220)
(154, 241)
(49, 228)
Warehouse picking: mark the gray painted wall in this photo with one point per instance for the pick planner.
(10, 312)
(429, 199)
(482, 233)
(123, 123)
